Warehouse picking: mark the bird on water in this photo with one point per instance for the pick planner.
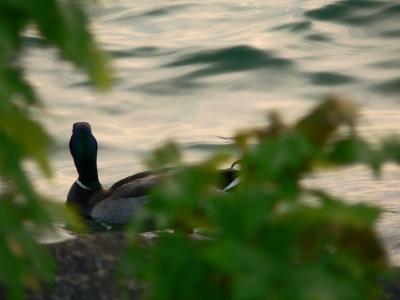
(118, 203)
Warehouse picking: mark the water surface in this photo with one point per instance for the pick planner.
(196, 70)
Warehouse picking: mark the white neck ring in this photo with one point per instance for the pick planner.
(82, 185)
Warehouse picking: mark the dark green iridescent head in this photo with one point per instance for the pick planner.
(83, 147)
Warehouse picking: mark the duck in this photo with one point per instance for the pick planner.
(117, 204)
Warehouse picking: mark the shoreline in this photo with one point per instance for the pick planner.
(87, 270)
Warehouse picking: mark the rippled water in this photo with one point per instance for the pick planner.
(196, 70)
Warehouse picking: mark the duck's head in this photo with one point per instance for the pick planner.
(83, 147)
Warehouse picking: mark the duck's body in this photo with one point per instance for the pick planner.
(116, 204)
(119, 202)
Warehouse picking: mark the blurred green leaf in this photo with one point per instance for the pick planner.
(64, 25)
(274, 238)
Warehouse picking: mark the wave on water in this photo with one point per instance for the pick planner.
(348, 11)
(189, 70)
(135, 13)
(165, 10)
(140, 52)
(330, 78)
(391, 86)
(231, 59)
(179, 47)
(295, 26)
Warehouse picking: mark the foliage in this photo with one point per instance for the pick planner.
(270, 237)
(64, 25)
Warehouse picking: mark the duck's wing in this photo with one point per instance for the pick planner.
(136, 187)
(117, 211)
(129, 194)
(140, 176)
(126, 196)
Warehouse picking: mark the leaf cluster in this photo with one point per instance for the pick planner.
(270, 237)
(62, 24)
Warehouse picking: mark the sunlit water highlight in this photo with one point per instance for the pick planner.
(196, 70)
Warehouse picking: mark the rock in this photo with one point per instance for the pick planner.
(87, 269)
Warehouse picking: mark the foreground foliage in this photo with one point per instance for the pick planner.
(270, 237)
(63, 25)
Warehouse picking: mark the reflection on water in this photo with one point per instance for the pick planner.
(194, 71)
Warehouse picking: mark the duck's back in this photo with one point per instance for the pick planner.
(127, 196)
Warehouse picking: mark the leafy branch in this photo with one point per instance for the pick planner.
(270, 237)
(62, 24)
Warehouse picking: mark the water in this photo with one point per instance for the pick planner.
(196, 70)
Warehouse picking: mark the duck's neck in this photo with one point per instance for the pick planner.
(88, 175)
(83, 147)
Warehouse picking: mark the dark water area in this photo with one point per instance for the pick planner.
(194, 71)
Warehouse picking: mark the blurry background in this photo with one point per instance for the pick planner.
(197, 70)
